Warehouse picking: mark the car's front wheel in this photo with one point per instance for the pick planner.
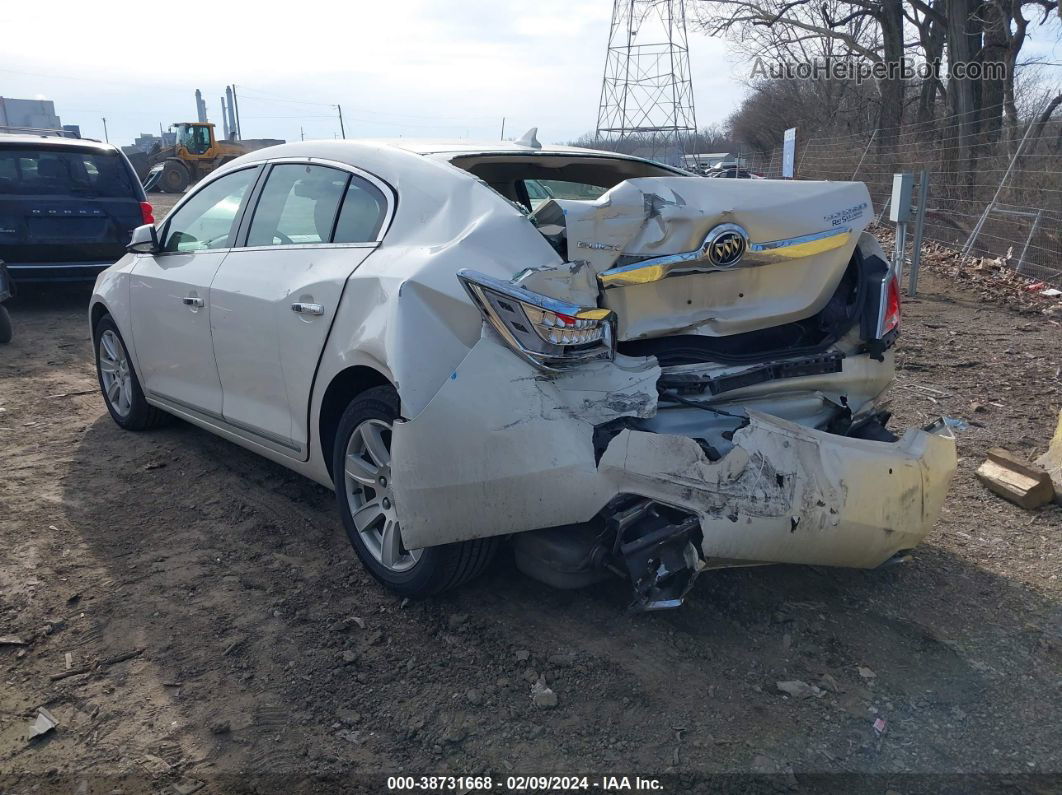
(365, 493)
(118, 382)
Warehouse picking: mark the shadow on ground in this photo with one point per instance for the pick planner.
(235, 578)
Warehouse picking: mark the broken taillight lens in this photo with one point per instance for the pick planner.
(890, 318)
(547, 332)
(147, 213)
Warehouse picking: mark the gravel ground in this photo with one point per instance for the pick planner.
(263, 657)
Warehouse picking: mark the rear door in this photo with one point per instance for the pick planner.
(170, 294)
(274, 298)
(61, 203)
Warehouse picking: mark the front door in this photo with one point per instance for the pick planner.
(273, 300)
(170, 295)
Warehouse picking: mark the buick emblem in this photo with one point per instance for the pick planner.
(726, 245)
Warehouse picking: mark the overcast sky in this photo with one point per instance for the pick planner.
(414, 68)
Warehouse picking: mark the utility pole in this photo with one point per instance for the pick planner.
(236, 107)
(105, 137)
(302, 135)
(342, 129)
(503, 128)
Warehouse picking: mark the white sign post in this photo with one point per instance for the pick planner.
(788, 153)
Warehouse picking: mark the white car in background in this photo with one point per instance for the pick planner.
(644, 372)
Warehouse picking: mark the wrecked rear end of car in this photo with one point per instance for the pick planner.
(697, 382)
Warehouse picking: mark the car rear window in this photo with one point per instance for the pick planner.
(53, 172)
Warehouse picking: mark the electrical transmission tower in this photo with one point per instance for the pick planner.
(647, 93)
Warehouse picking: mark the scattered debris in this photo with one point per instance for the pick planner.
(349, 657)
(154, 465)
(1024, 484)
(11, 640)
(1051, 461)
(798, 689)
(346, 623)
(69, 659)
(351, 736)
(523, 655)
(186, 787)
(73, 394)
(542, 696)
(42, 724)
(156, 764)
(566, 660)
(457, 620)
(233, 646)
(220, 727)
(829, 683)
(474, 697)
(348, 716)
(84, 669)
(880, 726)
(867, 673)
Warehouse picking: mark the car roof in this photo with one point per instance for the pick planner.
(55, 141)
(431, 147)
(446, 149)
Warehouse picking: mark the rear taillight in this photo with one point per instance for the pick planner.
(890, 318)
(547, 332)
(147, 213)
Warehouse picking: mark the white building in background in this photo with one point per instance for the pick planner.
(38, 114)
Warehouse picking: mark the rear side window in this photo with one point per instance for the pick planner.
(363, 212)
(298, 206)
(205, 221)
(60, 172)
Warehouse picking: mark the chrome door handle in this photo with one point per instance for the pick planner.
(189, 300)
(307, 309)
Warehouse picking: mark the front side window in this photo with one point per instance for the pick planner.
(207, 220)
(298, 206)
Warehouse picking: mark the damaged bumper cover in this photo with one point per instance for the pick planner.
(502, 449)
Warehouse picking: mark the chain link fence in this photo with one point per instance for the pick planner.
(996, 197)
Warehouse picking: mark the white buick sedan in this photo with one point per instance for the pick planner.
(621, 367)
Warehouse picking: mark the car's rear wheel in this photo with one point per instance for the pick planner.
(118, 382)
(372, 518)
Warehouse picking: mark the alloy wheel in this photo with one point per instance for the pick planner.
(115, 373)
(367, 476)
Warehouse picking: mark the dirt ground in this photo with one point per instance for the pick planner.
(260, 656)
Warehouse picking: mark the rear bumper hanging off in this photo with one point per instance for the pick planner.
(501, 449)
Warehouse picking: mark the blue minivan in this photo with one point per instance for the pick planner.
(67, 207)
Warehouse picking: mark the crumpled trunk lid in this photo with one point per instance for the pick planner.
(688, 255)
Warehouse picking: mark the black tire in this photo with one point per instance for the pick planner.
(142, 415)
(174, 177)
(5, 325)
(439, 568)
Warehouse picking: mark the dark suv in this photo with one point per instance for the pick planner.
(67, 207)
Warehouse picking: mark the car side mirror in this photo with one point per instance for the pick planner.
(145, 240)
